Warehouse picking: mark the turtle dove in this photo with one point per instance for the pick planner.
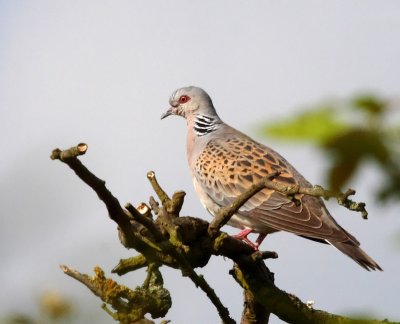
(225, 162)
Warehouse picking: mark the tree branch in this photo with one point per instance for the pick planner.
(127, 265)
(318, 191)
(130, 237)
(130, 305)
(224, 214)
(173, 248)
(185, 243)
(253, 312)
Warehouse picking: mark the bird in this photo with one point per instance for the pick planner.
(225, 162)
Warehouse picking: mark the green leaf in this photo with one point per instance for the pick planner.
(341, 171)
(389, 191)
(370, 104)
(317, 126)
(361, 143)
(348, 150)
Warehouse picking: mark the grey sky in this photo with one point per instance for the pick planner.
(102, 72)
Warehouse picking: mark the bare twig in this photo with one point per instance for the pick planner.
(162, 195)
(113, 206)
(127, 265)
(130, 235)
(262, 255)
(174, 205)
(145, 221)
(72, 152)
(318, 191)
(343, 200)
(224, 214)
(145, 210)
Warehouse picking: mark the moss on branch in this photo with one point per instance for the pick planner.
(186, 243)
(130, 305)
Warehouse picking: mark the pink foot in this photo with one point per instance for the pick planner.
(243, 237)
(243, 234)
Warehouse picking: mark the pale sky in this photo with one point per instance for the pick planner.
(101, 72)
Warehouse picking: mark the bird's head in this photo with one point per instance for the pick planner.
(189, 101)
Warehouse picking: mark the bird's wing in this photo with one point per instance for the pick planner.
(227, 167)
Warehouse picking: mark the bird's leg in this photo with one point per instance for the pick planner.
(243, 237)
(260, 238)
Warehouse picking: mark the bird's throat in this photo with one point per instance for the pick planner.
(204, 124)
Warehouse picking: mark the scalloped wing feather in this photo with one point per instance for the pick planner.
(228, 167)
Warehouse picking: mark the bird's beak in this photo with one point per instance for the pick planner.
(170, 111)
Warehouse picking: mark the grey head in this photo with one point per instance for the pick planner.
(190, 101)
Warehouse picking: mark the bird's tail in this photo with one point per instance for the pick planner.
(352, 250)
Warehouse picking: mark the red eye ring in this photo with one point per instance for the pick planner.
(184, 99)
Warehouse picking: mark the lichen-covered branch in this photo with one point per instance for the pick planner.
(130, 305)
(318, 191)
(114, 208)
(131, 264)
(253, 311)
(174, 205)
(185, 242)
(225, 213)
(131, 236)
(174, 247)
(131, 232)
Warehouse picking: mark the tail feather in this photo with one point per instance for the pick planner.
(357, 254)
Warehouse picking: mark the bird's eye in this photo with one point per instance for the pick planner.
(184, 99)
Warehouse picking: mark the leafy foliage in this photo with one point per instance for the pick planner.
(349, 133)
(315, 126)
